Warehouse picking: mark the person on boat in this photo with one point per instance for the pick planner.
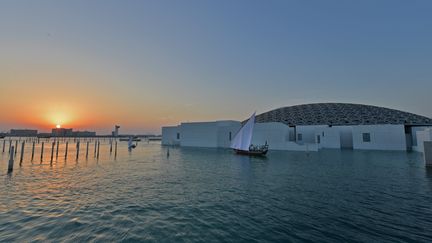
(265, 146)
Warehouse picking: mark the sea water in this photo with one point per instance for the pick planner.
(213, 195)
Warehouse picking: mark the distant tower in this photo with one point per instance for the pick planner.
(116, 131)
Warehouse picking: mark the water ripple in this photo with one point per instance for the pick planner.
(211, 195)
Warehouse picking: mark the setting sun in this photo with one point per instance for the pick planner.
(58, 126)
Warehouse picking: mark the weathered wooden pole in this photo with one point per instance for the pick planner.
(4, 143)
(67, 145)
(110, 146)
(11, 159)
(42, 151)
(98, 150)
(57, 148)
(16, 147)
(168, 152)
(95, 149)
(52, 151)
(10, 145)
(78, 148)
(87, 146)
(115, 151)
(22, 152)
(33, 147)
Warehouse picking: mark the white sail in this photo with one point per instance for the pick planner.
(130, 142)
(243, 138)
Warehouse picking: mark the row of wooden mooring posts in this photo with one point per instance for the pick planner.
(54, 145)
(61, 139)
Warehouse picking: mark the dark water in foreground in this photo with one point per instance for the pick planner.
(212, 195)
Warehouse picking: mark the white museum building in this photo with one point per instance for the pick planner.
(311, 127)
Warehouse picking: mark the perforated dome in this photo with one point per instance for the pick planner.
(340, 114)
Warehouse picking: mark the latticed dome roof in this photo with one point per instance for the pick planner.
(340, 114)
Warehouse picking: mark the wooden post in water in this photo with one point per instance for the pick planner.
(42, 151)
(4, 143)
(115, 151)
(33, 147)
(52, 151)
(98, 150)
(87, 146)
(57, 148)
(22, 152)
(110, 146)
(16, 147)
(95, 149)
(78, 147)
(67, 145)
(10, 145)
(11, 160)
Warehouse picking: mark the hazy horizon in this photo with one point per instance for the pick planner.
(89, 65)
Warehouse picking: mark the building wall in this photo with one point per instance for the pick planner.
(327, 137)
(216, 134)
(23, 132)
(169, 135)
(83, 134)
(201, 134)
(61, 132)
(382, 137)
(307, 134)
(198, 134)
(346, 136)
(322, 135)
(224, 128)
(277, 135)
(414, 131)
(208, 134)
(421, 137)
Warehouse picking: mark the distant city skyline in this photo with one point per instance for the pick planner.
(90, 65)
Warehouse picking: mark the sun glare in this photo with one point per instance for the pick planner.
(58, 126)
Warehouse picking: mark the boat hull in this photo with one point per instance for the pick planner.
(251, 152)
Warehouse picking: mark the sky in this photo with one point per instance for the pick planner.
(92, 64)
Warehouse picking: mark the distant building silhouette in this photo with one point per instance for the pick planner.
(115, 133)
(68, 132)
(61, 132)
(23, 132)
(83, 134)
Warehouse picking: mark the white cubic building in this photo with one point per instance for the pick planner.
(311, 127)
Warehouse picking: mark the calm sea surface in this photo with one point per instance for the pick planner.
(212, 195)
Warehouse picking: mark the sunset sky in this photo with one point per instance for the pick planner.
(145, 64)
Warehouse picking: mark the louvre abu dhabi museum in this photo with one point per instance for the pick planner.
(311, 127)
